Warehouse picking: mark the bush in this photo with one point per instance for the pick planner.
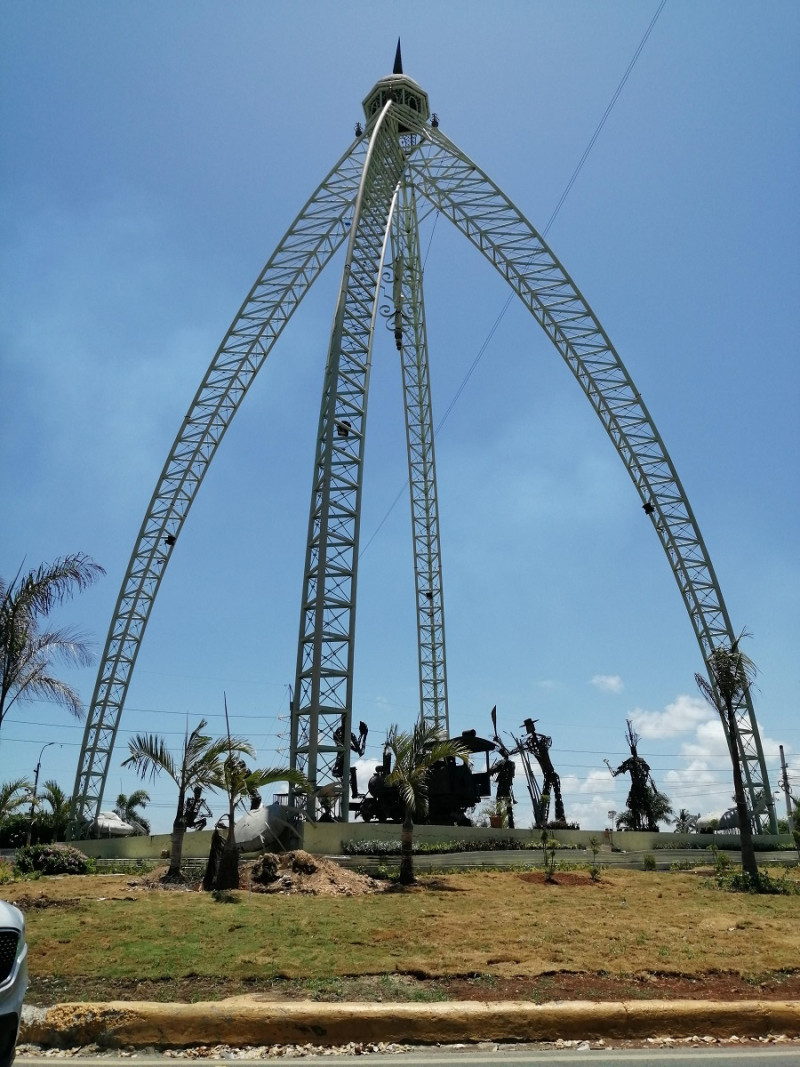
(15, 828)
(51, 859)
(649, 861)
(371, 847)
(741, 882)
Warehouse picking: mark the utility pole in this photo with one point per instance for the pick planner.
(35, 786)
(786, 790)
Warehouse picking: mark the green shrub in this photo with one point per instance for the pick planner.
(649, 861)
(722, 862)
(51, 859)
(741, 882)
(682, 865)
(371, 847)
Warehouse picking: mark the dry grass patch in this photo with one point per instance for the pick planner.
(492, 924)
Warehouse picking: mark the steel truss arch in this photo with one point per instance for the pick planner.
(401, 151)
(315, 235)
(465, 194)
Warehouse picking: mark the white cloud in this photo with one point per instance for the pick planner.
(709, 741)
(683, 714)
(591, 814)
(608, 683)
(598, 782)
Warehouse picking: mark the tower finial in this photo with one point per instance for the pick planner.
(398, 60)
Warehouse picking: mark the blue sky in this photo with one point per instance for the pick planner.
(153, 157)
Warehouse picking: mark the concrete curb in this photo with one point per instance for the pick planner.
(253, 1020)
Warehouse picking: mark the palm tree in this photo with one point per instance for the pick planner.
(658, 806)
(127, 807)
(13, 795)
(240, 783)
(58, 801)
(199, 765)
(685, 822)
(414, 756)
(26, 651)
(732, 674)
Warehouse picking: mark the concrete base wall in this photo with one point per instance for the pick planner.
(329, 839)
(196, 844)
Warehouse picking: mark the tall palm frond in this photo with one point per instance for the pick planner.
(733, 674)
(13, 795)
(26, 651)
(55, 797)
(149, 755)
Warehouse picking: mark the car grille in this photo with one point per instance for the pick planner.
(9, 940)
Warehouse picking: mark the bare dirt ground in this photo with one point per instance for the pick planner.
(300, 873)
(539, 990)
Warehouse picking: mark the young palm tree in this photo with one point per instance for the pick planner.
(413, 756)
(199, 764)
(733, 673)
(13, 795)
(26, 651)
(57, 800)
(240, 784)
(127, 807)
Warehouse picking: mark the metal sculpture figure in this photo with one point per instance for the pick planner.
(640, 796)
(196, 812)
(503, 770)
(357, 745)
(539, 745)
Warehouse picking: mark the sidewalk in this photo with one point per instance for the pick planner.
(252, 1020)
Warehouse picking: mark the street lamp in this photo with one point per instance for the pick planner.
(35, 786)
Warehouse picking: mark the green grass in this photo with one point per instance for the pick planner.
(487, 923)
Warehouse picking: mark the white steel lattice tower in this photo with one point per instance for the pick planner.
(369, 203)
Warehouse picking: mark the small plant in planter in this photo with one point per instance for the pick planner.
(495, 813)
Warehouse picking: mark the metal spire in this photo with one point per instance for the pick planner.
(398, 60)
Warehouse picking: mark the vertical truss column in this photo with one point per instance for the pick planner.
(412, 343)
(323, 694)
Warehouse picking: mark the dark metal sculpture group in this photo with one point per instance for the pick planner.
(455, 788)
(644, 800)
